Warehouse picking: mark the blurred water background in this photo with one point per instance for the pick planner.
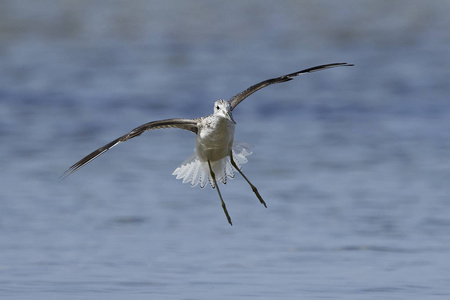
(354, 163)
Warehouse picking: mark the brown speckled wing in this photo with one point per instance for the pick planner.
(187, 124)
(235, 100)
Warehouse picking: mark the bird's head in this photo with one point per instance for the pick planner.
(223, 109)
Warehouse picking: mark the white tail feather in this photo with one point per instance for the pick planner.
(196, 172)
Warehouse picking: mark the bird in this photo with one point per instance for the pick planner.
(216, 155)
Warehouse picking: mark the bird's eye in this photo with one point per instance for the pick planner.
(217, 107)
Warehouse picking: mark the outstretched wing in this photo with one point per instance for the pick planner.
(234, 101)
(186, 124)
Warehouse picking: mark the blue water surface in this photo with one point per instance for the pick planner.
(354, 163)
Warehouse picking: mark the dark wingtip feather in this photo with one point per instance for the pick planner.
(90, 157)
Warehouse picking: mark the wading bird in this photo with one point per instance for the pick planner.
(216, 156)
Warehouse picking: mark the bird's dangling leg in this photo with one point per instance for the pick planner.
(255, 190)
(213, 176)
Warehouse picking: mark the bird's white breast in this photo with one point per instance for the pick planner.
(214, 138)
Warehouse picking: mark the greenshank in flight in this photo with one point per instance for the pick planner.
(216, 155)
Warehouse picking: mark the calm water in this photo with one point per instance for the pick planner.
(354, 163)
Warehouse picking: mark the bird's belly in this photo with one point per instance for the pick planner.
(214, 145)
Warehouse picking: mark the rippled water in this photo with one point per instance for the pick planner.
(353, 162)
